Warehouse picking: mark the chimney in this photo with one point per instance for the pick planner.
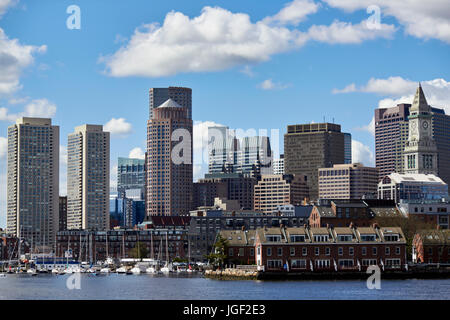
(243, 228)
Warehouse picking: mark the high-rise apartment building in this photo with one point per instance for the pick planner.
(182, 96)
(308, 147)
(88, 178)
(347, 148)
(348, 181)
(169, 161)
(130, 176)
(33, 181)
(272, 191)
(62, 213)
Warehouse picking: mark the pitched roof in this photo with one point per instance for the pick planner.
(239, 237)
(170, 104)
(420, 102)
(435, 236)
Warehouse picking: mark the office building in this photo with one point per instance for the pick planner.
(347, 148)
(278, 165)
(308, 147)
(222, 150)
(348, 181)
(232, 186)
(255, 156)
(130, 176)
(412, 187)
(272, 191)
(169, 161)
(182, 96)
(33, 181)
(88, 178)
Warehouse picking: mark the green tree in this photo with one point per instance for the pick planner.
(139, 251)
(218, 257)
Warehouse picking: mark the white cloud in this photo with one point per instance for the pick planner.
(361, 153)
(218, 39)
(270, 85)
(3, 147)
(137, 153)
(118, 127)
(247, 70)
(348, 33)
(5, 4)
(421, 19)
(294, 12)
(38, 108)
(400, 90)
(14, 57)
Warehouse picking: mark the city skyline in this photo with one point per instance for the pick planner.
(50, 79)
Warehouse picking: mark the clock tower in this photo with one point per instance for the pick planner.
(420, 154)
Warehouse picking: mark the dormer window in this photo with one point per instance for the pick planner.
(391, 237)
(320, 238)
(345, 237)
(297, 238)
(368, 237)
(273, 238)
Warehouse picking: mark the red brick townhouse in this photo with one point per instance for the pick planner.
(431, 246)
(240, 246)
(329, 249)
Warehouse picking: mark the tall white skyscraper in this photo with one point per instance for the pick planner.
(33, 182)
(88, 178)
(278, 165)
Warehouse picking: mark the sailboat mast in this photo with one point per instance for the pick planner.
(167, 247)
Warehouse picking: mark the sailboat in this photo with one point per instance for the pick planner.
(122, 269)
(167, 268)
(151, 269)
(189, 269)
(108, 259)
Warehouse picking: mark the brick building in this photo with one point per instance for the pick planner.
(436, 213)
(329, 249)
(431, 246)
(362, 212)
(240, 246)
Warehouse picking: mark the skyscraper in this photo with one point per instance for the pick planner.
(278, 165)
(308, 147)
(182, 96)
(130, 175)
(391, 137)
(420, 155)
(222, 150)
(347, 148)
(255, 156)
(389, 142)
(33, 181)
(169, 161)
(88, 178)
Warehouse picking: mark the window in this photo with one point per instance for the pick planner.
(230, 252)
(252, 252)
(273, 238)
(297, 238)
(273, 264)
(322, 263)
(321, 238)
(241, 252)
(327, 251)
(392, 262)
(346, 263)
(280, 251)
(364, 251)
(351, 251)
(369, 262)
(316, 251)
(374, 251)
(368, 237)
(269, 251)
(340, 251)
(397, 250)
(298, 264)
(391, 237)
(292, 251)
(304, 251)
(345, 237)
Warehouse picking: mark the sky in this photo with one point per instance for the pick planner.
(251, 64)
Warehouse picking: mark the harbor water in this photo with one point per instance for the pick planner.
(195, 287)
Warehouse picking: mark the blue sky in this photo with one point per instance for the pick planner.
(251, 64)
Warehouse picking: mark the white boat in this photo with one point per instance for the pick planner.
(165, 270)
(136, 270)
(105, 270)
(91, 270)
(151, 270)
(68, 270)
(121, 270)
(2, 275)
(181, 269)
(55, 271)
(32, 271)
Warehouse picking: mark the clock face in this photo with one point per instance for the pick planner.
(425, 125)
